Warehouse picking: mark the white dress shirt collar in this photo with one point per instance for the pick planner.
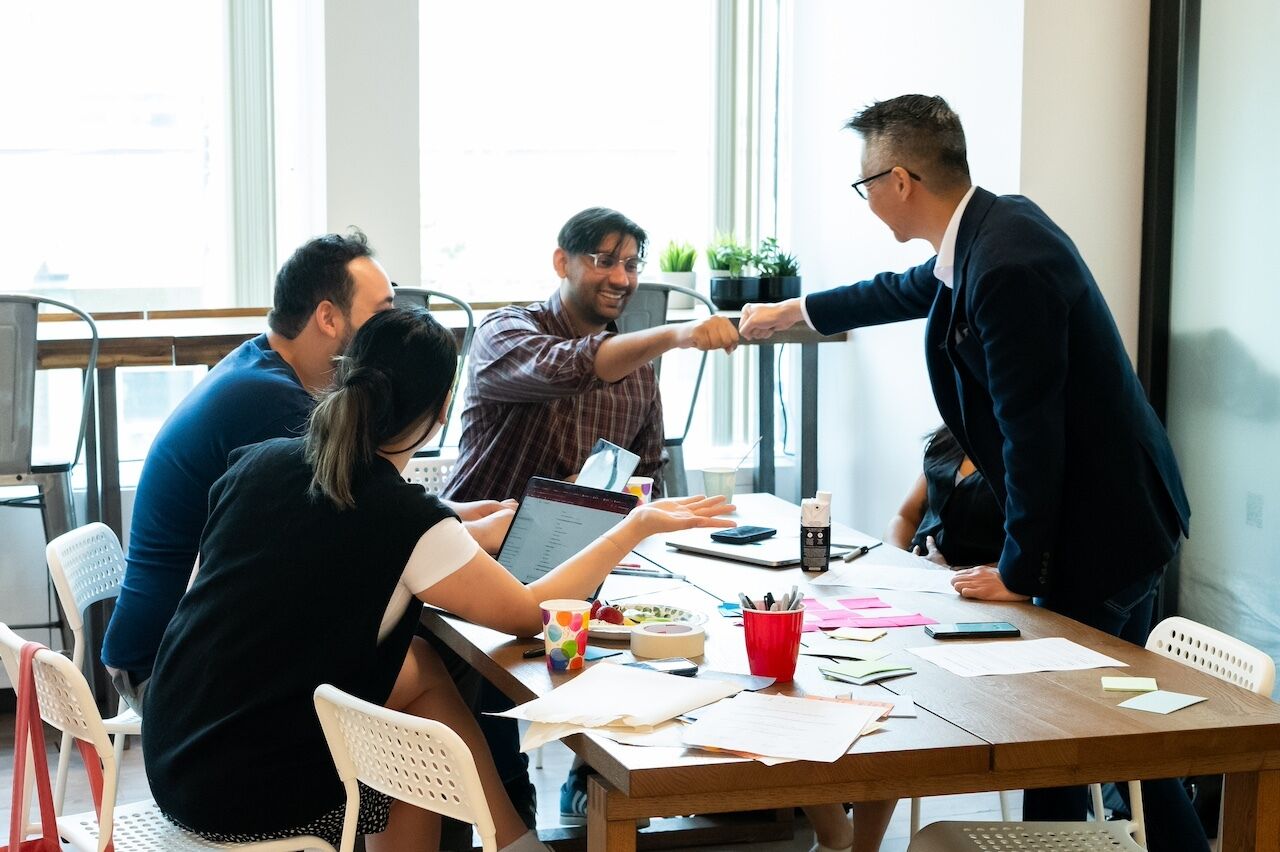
(944, 268)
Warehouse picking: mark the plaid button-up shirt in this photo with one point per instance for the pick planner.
(534, 406)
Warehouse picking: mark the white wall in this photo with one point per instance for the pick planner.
(1084, 91)
(875, 399)
(371, 128)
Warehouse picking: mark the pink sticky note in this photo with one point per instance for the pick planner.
(811, 627)
(914, 620)
(873, 622)
(861, 603)
(814, 605)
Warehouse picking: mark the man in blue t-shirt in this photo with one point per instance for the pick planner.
(263, 389)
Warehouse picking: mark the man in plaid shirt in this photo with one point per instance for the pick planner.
(545, 381)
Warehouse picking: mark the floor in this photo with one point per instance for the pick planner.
(556, 760)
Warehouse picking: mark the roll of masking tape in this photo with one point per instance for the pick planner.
(655, 641)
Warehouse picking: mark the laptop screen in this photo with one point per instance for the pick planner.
(555, 521)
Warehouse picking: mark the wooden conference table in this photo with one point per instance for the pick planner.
(186, 338)
(970, 735)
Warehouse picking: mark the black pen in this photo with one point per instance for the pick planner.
(530, 654)
(861, 551)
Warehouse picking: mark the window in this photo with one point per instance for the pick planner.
(527, 120)
(113, 154)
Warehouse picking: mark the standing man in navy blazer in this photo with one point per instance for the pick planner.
(1029, 373)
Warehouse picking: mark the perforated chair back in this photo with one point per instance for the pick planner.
(18, 315)
(421, 298)
(431, 472)
(1025, 836)
(87, 566)
(1214, 652)
(418, 761)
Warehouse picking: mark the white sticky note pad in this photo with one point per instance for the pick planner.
(1161, 701)
(1129, 684)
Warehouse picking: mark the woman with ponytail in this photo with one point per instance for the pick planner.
(315, 562)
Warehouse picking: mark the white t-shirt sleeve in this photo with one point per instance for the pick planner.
(443, 549)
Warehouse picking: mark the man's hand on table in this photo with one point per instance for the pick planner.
(762, 320)
(983, 583)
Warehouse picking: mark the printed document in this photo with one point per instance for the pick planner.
(971, 659)
(779, 726)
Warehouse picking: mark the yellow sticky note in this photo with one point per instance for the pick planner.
(860, 634)
(1129, 684)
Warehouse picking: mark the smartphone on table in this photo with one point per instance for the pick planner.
(973, 630)
(743, 535)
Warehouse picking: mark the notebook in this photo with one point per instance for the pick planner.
(556, 520)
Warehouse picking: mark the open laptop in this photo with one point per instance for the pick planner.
(609, 467)
(557, 520)
(777, 552)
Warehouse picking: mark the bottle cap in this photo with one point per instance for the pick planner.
(823, 497)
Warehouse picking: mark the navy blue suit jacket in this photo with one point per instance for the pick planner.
(1029, 372)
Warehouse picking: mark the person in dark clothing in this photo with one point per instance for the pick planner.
(950, 516)
(315, 562)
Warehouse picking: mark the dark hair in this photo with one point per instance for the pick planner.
(584, 231)
(316, 272)
(943, 444)
(397, 372)
(921, 131)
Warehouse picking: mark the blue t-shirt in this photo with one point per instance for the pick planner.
(250, 396)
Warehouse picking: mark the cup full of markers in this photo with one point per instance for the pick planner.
(772, 628)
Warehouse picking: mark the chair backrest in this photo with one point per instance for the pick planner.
(431, 472)
(1214, 652)
(421, 298)
(647, 308)
(87, 566)
(415, 760)
(18, 313)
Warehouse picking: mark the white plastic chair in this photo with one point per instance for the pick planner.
(67, 704)
(1190, 643)
(87, 566)
(418, 761)
(10, 651)
(431, 472)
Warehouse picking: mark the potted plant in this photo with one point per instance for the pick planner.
(729, 260)
(676, 265)
(779, 272)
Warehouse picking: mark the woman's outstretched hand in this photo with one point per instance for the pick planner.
(682, 513)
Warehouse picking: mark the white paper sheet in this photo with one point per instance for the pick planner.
(778, 726)
(817, 645)
(622, 695)
(1162, 701)
(972, 659)
(667, 734)
(903, 578)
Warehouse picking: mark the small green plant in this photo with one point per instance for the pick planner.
(678, 257)
(726, 254)
(773, 262)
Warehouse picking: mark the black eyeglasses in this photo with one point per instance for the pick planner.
(605, 262)
(859, 186)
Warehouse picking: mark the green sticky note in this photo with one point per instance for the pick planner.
(1129, 684)
(862, 668)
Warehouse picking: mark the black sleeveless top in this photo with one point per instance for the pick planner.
(963, 517)
(290, 594)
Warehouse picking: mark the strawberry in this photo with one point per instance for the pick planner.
(595, 607)
(610, 614)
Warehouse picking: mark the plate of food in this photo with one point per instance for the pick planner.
(614, 623)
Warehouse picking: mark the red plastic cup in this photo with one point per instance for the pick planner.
(773, 642)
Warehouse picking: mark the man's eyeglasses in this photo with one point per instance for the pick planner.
(606, 262)
(860, 185)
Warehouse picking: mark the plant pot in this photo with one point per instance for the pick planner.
(688, 280)
(775, 289)
(730, 294)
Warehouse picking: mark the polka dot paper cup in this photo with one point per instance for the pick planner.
(565, 624)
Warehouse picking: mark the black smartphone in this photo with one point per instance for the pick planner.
(743, 535)
(670, 665)
(973, 630)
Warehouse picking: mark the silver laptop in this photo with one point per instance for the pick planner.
(777, 552)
